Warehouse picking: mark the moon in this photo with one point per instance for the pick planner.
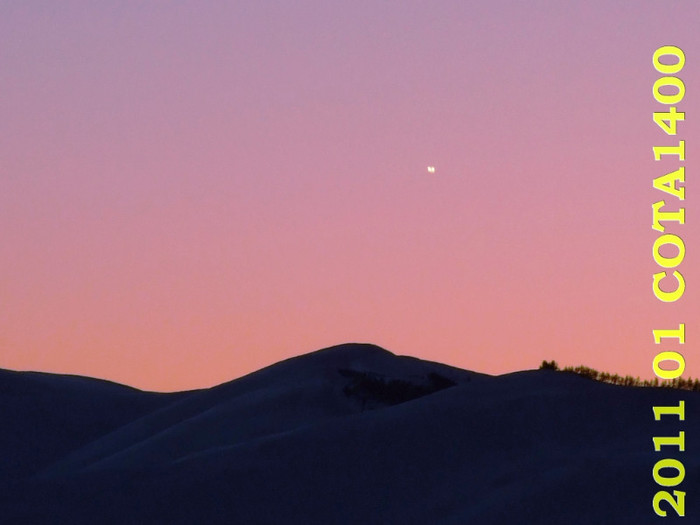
(431, 169)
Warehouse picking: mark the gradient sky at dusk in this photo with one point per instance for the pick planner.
(190, 191)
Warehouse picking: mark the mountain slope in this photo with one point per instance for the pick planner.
(350, 434)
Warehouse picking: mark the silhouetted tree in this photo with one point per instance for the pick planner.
(549, 365)
(679, 383)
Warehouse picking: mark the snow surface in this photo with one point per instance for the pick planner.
(293, 443)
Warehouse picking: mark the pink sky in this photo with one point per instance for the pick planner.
(189, 193)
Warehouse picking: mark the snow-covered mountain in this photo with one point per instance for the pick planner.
(349, 434)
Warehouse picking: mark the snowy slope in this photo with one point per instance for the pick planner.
(350, 434)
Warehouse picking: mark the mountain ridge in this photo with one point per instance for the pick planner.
(347, 434)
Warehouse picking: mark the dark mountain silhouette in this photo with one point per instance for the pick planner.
(349, 434)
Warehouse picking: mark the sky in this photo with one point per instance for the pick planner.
(190, 191)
